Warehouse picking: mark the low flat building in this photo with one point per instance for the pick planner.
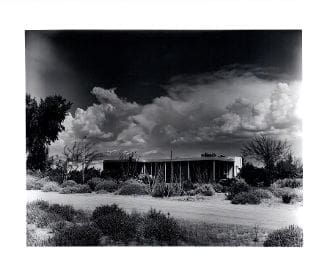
(198, 169)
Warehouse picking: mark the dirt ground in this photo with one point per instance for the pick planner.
(214, 209)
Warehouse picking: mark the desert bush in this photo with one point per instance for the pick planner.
(108, 185)
(69, 183)
(288, 197)
(187, 185)
(205, 190)
(219, 188)
(51, 187)
(289, 168)
(79, 188)
(133, 189)
(65, 211)
(35, 239)
(162, 189)
(37, 213)
(93, 182)
(35, 182)
(289, 236)
(161, 228)
(290, 183)
(191, 192)
(249, 197)
(254, 176)
(263, 193)
(236, 187)
(78, 235)
(32, 183)
(114, 222)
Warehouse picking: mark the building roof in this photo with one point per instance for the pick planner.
(228, 159)
(189, 159)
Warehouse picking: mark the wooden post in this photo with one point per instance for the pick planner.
(165, 170)
(188, 171)
(180, 172)
(151, 168)
(214, 170)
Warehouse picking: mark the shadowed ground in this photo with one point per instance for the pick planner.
(211, 210)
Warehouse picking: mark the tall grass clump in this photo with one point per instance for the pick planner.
(163, 189)
(289, 236)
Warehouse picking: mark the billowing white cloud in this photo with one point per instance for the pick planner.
(221, 108)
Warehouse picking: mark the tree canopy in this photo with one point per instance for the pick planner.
(266, 150)
(43, 124)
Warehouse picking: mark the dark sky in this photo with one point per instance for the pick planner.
(196, 90)
(140, 63)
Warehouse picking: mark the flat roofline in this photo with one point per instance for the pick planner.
(227, 159)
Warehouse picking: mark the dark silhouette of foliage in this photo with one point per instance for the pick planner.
(253, 176)
(267, 151)
(43, 124)
(289, 168)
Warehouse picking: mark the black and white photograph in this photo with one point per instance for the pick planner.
(164, 138)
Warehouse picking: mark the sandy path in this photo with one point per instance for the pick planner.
(213, 210)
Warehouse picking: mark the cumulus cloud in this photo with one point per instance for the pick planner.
(204, 109)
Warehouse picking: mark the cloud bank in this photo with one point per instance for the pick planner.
(215, 112)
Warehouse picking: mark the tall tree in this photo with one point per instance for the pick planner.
(268, 151)
(43, 124)
(80, 155)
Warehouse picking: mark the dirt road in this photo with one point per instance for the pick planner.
(212, 210)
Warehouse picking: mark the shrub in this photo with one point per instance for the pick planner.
(132, 181)
(51, 187)
(32, 183)
(37, 213)
(290, 183)
(254, 176)
(133, 189)
(79, 188)
(162, 228)
(35, 183)
(249, 197)
(263, 193)
(65, 211)
(75, 176)
(290, 236)
(69, 183)
(287, 197)
(108, 185)
(219, 188)
(114, 222)
(102, 191)
(191, 192)
(237, 187)
(205, 189)
(93, 182)
(162, 189)
(187, 185)
(77, 235)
